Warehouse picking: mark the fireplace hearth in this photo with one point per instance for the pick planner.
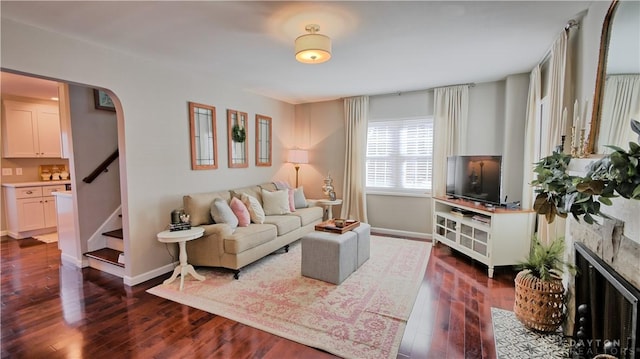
(608, 317)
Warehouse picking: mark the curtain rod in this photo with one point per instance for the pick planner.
(400, 93)
(470, 84)
(567, 27)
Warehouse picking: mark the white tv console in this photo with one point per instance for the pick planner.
(494, 236)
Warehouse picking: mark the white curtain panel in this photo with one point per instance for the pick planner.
(356, 113)
(530, 156)
(557, 75)
(558, 68)
(620, 104)
(451, 108)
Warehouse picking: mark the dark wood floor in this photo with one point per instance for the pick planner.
(58, 311)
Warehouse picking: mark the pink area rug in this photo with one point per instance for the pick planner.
(364, 317)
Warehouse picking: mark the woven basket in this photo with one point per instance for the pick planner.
(539, 305)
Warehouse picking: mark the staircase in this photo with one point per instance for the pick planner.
(111, 258)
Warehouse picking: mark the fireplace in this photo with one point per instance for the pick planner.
(608, 315)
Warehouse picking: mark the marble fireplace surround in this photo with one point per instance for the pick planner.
(615, 240)
(608, 242)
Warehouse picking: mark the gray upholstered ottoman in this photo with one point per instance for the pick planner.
(330, 257)
(363, 231)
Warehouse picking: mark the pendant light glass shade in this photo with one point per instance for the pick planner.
(313, 48)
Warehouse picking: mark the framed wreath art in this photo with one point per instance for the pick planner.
(238, 151)
(238, 134)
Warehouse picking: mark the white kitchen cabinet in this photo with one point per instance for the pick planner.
(31, 210)
(31, 130)
(493, 236)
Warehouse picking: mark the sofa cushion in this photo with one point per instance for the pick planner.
(255, 209)
(284, 223)
(275, 203)
(269, 186)
(299, 199)
(245, 238)
(292, 203)
(253, 191)
(241, 212)
(222, 213)
(308, 215)
(198, 206)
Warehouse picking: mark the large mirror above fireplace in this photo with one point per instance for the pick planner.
(617, 92)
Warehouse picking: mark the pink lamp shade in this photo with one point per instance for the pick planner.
(298, 156)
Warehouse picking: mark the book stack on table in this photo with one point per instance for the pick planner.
(481, 219)
(461, 212)
(179, 226)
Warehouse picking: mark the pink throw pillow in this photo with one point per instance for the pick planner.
(292, 202)
(240, 210)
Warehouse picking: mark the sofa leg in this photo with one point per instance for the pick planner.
(236, 273)
(286, 248)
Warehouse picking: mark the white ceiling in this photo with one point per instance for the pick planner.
(378, 46)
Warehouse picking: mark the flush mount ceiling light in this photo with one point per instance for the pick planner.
(313, 48)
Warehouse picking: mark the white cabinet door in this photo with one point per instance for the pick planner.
(50, 211)
(31, 130)
(19, 130)
(30, 213)
(49, 140)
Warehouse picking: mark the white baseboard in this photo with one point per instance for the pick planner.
(131, 281)
(72, 260)
(27, 234)
(397, 232)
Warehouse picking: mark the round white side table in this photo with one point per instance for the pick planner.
(328, 205)
(181, 237)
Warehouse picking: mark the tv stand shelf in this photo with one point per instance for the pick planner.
(494, 236)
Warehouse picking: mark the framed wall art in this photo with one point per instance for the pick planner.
(102, 101)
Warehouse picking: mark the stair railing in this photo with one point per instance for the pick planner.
(103, 167)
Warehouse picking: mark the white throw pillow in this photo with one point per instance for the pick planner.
(222, 213)
(299, 199)
(253, 206)
(276, 202)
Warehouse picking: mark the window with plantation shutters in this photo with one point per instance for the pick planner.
(399, 155)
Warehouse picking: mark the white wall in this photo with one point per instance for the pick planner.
(153, 129)
(95, 136)
(589, 49)
(486, 119)
(320, 128)
(404, 214)
(516, 93)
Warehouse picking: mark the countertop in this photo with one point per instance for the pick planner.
(36, 183)
(62, 193)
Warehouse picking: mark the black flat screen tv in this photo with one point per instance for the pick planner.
(475, 178)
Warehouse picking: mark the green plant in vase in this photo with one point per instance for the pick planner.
(617, 174)
(546, 261)
(539, 293)
(558, 193)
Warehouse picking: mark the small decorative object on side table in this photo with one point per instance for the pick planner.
(181, 237)
(327, 188)
(179, 220)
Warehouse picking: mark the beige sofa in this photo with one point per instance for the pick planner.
(221, 246)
